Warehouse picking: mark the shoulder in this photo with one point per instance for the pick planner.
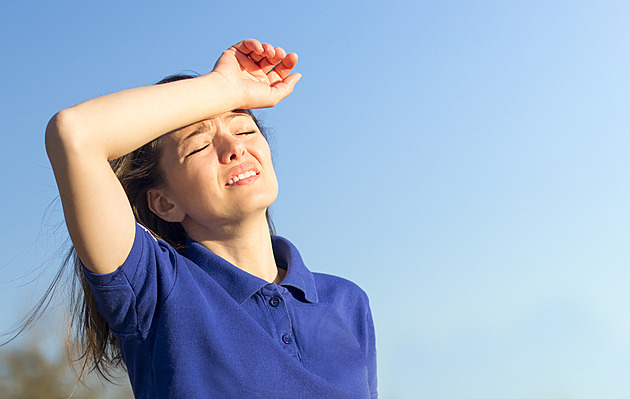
(147, 253)
(348, 303)
(339, 290)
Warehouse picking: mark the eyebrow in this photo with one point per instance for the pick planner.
(203, 128)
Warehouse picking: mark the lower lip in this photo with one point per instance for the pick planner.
(244, 182)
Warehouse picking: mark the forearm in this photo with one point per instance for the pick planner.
(116, 124)
(82, 139)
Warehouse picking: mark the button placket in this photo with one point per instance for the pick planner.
(281, 318)
(275, 301)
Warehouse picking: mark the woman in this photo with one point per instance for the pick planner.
(208, 304)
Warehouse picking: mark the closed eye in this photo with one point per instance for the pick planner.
(197, 150)
(248, 132)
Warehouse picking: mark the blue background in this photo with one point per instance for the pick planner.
(465, 162)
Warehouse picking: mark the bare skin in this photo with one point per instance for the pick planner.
(229, 219)
(82, 139)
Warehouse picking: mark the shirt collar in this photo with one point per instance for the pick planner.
(298, 276)
(242, 285)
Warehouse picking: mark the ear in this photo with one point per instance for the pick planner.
(164, 208)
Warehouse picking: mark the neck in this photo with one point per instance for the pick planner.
(247, 245)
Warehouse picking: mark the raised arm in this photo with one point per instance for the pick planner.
(82, 139)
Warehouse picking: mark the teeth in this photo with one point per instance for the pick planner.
(241, 177)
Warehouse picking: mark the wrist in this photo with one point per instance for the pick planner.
(222, 93)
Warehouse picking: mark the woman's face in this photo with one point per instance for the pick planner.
(218, 172)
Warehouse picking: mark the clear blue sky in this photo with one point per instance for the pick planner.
(465, 162)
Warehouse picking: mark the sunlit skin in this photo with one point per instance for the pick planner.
(189, 149)
(199, 162)
(228, 219)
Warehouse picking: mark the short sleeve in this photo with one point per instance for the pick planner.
(130, 298)
(371, 355)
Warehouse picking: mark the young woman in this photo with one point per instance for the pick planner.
(165, 191)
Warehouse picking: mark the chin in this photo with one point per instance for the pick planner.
(256, 202)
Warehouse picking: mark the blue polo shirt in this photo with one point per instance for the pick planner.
(193, 325)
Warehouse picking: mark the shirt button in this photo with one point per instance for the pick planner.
(275, 301)
(286, 338)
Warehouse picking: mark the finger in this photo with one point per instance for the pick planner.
(248, 46)
(270, 52)
(280, 53)
(284, 68)
(255, 57)
(285, 87)
(257, 51)
(267, 64)
(246, 62)
(293, 78)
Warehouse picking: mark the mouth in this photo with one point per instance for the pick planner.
(241, 177)
(242, 174)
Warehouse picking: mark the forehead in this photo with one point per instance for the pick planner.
(209, 125)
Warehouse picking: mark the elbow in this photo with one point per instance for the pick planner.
(61, 134)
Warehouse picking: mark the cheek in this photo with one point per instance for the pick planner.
(172, 176)
(194, 182)
(273, 183)
(263, 152)
(179, 179)
(270, 168)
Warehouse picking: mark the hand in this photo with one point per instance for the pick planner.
(258, 74)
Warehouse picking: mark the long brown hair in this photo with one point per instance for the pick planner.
(90, 342)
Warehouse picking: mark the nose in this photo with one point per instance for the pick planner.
(230, 148)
